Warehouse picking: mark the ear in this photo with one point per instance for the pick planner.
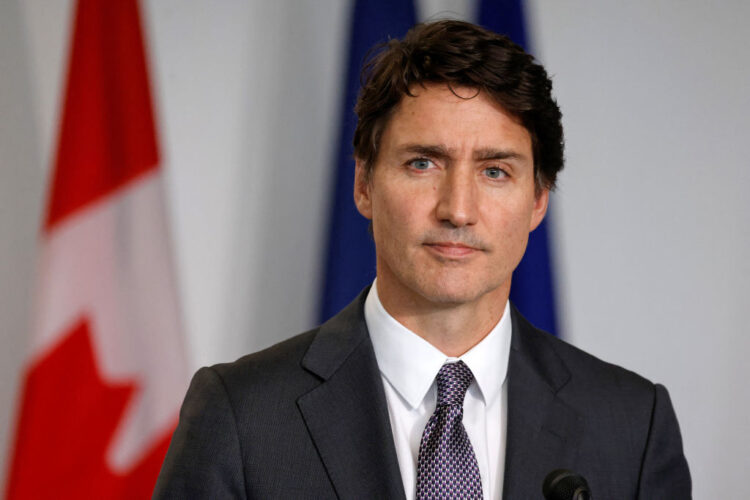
(541, 201)
(362, 188)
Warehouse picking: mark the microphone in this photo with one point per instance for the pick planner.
(562, 484)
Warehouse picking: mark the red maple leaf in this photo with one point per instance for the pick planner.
(68, 417)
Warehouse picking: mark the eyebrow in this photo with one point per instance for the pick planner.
(443, 153)
(497, 154)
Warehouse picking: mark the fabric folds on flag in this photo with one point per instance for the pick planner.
(533, 290)
(106, 371)
(350, 256)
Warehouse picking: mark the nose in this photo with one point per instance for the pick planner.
(458, 203)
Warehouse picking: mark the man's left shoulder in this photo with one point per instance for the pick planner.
(626, 422)
(576, 366)
(595, 373)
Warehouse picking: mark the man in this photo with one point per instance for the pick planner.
(430, 384)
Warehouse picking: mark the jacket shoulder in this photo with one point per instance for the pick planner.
(596, 369)
(268, 370)
(628, 423)
(232, 421)
(583, 370)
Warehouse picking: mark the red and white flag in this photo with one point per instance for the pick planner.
(107, 371)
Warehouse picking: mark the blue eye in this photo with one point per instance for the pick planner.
(494, 172)
(420, 164)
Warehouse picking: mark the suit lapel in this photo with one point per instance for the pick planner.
(347, 414)
(543, 431)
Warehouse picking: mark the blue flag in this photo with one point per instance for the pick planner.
(350, 260)
(532, 290)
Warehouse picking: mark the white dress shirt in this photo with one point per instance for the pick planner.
(408, 366)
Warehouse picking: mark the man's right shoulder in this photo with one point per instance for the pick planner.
(265, 370)
(231, 421)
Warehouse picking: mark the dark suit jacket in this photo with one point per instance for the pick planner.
(307, 418)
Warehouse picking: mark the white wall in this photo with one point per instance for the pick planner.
(654, 206)
(22, 179)
(651, 217)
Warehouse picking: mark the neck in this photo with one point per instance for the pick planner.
(452, 328)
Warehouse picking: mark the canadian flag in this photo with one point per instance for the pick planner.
(107, 371)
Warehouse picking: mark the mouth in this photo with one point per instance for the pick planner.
(451, 249)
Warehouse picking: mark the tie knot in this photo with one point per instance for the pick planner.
(453, 380)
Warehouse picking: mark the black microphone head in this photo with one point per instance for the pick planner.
(561, 484)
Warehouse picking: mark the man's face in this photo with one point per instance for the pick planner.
(451, 197)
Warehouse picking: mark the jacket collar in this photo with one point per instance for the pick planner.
(347, 414)
(543, 430)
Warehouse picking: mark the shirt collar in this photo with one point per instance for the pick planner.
(410, 363)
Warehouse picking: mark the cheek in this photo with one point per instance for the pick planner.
(510, 227)
(398, 210)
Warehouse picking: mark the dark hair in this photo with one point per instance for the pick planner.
(460, 54)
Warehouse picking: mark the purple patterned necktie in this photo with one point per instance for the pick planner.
(447, 467)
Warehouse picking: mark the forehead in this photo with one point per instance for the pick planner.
(459, 118)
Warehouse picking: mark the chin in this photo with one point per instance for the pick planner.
(453, 292)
